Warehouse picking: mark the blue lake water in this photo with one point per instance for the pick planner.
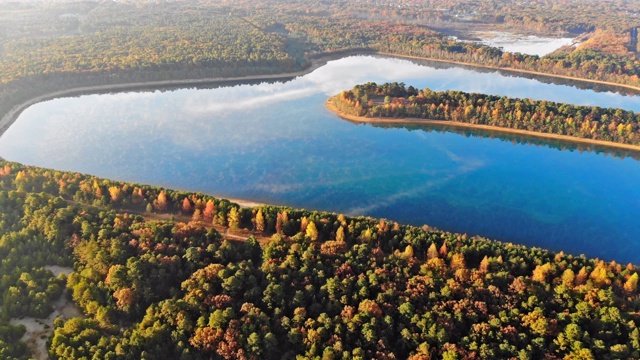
(276, 143)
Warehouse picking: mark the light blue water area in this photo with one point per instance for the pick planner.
(276, 143)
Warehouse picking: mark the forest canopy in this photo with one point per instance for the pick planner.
(157, 275)
(396, 100)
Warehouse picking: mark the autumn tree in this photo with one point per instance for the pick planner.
(279, 223)
(432, 252)
(259, 221)
(631, 285)
(311, 231)
(161, 204)
(484, 265)
(114, 193)
(303, 224)
(568, 277)
(582, 276)
(197, 215)
(209, 211)
(340, 234)
(541, 272)
(137, 196)
(443, 251)
(125, 298)
(457, 262)
(234, 218)
(599, 275)
(186, 206)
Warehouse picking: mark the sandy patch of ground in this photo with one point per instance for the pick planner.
(57, 270)
(39, 330)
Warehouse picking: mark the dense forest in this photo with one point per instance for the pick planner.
(62, 45)
(395, 100)
(163, 274)
(158, 276)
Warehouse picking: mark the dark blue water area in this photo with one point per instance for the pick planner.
(278, 144)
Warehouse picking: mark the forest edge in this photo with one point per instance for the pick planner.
(12, 115)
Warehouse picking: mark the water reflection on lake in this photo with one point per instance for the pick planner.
(276, 143)
(526, 44)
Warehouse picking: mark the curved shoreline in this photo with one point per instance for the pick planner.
(515, 70)
(361, 119)
(11, 116)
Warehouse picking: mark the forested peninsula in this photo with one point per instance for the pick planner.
(396, 102)
(166, 274)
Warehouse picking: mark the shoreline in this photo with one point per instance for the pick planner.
(515, 70)
(417, 121)
(12, 115)
(247, 204)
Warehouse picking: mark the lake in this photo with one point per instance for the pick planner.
(526, 44)
(276, 143)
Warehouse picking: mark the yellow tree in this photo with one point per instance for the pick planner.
(340, 234)
(161, 203)
(234, 218)
(259, 221)
(432, 252)
(540, 272)
(599, 275)
(484, 264)
(114, 192)
(568, 277)
(631, 285)
(311, 231)
(457, 262)
(97, 189)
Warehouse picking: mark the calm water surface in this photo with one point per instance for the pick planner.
(276, 143)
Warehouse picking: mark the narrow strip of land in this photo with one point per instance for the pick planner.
(361, 119)
(515, 70)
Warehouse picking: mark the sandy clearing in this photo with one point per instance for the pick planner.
(39, 330)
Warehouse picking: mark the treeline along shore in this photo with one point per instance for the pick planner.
(398, 103)
(158, 275)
